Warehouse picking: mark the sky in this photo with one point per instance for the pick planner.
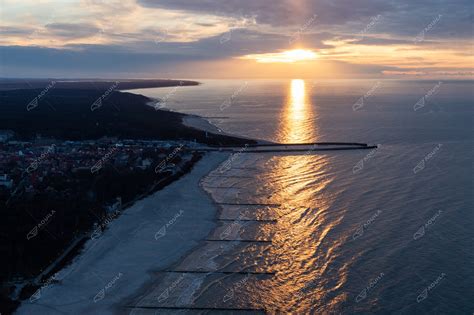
(333, 39)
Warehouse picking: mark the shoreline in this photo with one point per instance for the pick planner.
(203, 124)
(196, 122)
(101, 84)
(188, 216)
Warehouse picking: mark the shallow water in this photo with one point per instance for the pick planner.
(379, 231)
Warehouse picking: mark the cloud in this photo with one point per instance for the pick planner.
(15, 31)
(279, 12)
(205, 24)
(160, 36)
(72, 30)
(401, 17)
(450, 19)
(89, 61)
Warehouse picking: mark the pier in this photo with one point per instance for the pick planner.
(307, 148)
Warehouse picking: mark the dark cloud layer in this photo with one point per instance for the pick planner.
(88, 61)
(14, 31)
(280, 12)
(72, 30)
(403, 17)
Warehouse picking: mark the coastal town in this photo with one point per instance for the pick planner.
(25, 165)
(69, 191)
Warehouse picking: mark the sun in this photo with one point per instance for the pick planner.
(288, 56)
(299, 55)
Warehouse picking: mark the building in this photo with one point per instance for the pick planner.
(6, 135)
(5, 181)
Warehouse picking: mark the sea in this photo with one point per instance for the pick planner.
(380, 231)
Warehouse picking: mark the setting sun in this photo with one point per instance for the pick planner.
(288, 56)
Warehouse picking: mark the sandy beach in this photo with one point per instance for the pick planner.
(149, 236)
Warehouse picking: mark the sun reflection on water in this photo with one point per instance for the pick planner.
(299, 183)
(298, 119)
(292, 189)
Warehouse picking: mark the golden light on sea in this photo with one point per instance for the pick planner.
(298, 119)
(298, 94)
(299, 182)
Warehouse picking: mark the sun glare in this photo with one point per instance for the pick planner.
(288, 56)
(298, 118)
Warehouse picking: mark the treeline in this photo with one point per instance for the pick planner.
(72, 114)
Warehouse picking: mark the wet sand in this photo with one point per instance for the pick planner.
(215, 277)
